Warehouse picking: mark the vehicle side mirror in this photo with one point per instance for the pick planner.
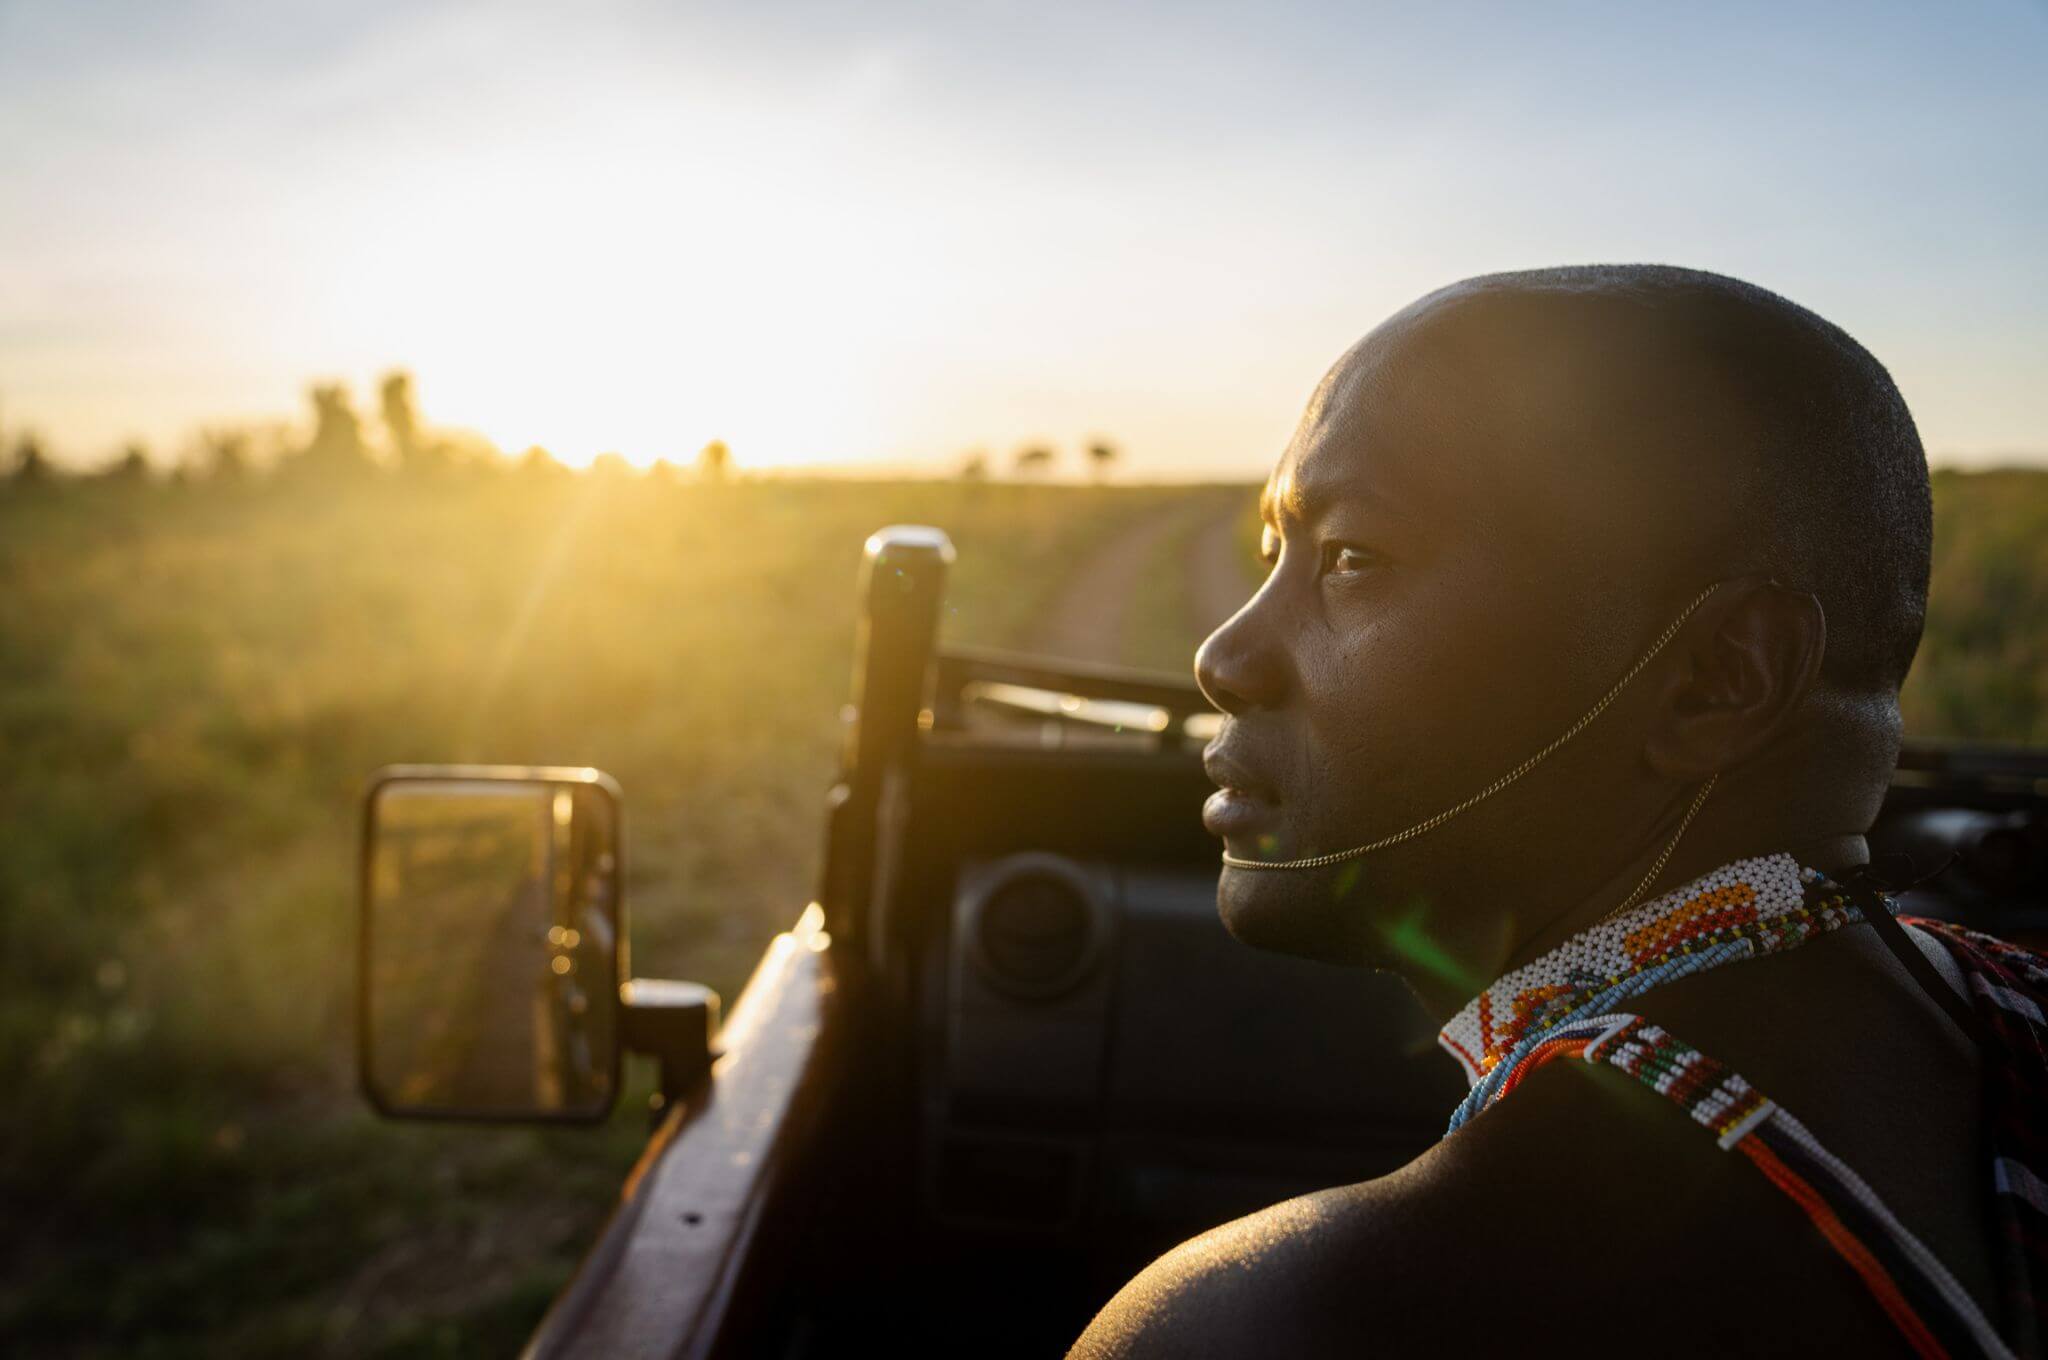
(493, 943)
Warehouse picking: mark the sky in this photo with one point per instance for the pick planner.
(896, 234)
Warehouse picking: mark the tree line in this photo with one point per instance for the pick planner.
(1035, 462)
(342, 442)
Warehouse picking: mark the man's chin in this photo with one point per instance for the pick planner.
(1310, 913)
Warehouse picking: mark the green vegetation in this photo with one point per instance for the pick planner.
(195, 680)
(1982, 672)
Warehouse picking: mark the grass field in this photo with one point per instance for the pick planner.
(195, 680)
(1982, 671)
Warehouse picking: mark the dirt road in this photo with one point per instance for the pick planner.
(1219, 580)
(1182, 563)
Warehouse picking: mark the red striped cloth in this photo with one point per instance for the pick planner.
(2009, 991)
(2008, 988)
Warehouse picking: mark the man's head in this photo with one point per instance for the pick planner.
(1495, 502)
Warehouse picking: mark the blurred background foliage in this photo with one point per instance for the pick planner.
(1982, 671)
(197, 672)
(196, 676)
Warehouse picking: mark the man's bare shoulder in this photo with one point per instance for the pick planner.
(1263, 1284)
(1584, 1191)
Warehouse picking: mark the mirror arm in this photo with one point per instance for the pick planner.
(671, 1022)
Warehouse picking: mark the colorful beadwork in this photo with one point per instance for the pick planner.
(1741, 910)
(1706, 1089)
(1562, 1005)
(1917, 1292)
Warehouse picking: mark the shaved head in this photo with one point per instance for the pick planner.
(1493, 504)
(1750, 433)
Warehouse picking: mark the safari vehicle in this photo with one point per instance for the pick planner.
(1006, 1057)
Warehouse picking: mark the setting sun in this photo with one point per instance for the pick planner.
(592, 296)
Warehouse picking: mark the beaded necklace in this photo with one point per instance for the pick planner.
(1742, 910)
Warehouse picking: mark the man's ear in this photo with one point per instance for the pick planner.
(1746, 665)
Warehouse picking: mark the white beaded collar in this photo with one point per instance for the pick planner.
(1737, 904)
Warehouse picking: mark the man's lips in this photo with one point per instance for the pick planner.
(1242, 801)
(1235, 815)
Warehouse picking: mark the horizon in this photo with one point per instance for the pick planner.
(886, 240)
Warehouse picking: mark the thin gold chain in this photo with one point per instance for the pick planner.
(1698, 800)
(1431, 823)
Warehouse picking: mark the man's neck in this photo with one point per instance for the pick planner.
(1582, 909)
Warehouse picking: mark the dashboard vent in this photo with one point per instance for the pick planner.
(1036, 934)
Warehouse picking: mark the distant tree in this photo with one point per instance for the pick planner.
(1101, 455)
(714, 463)
(29, 464)
(538, 462)
(1034, 460)
(228, 453)
(400, 411)
(663, 471)
(224, 454)
(132, 466)
(337, 445)
(611, 465)
(974, 468)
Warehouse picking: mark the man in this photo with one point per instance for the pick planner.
(1496, 503)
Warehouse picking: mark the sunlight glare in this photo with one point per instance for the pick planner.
(626, 299)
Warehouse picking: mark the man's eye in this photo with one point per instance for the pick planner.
(1343, 559)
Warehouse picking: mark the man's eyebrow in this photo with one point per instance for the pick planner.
(1306, 502)
(1284, 497)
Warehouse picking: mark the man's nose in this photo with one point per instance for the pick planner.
(1237, 666)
